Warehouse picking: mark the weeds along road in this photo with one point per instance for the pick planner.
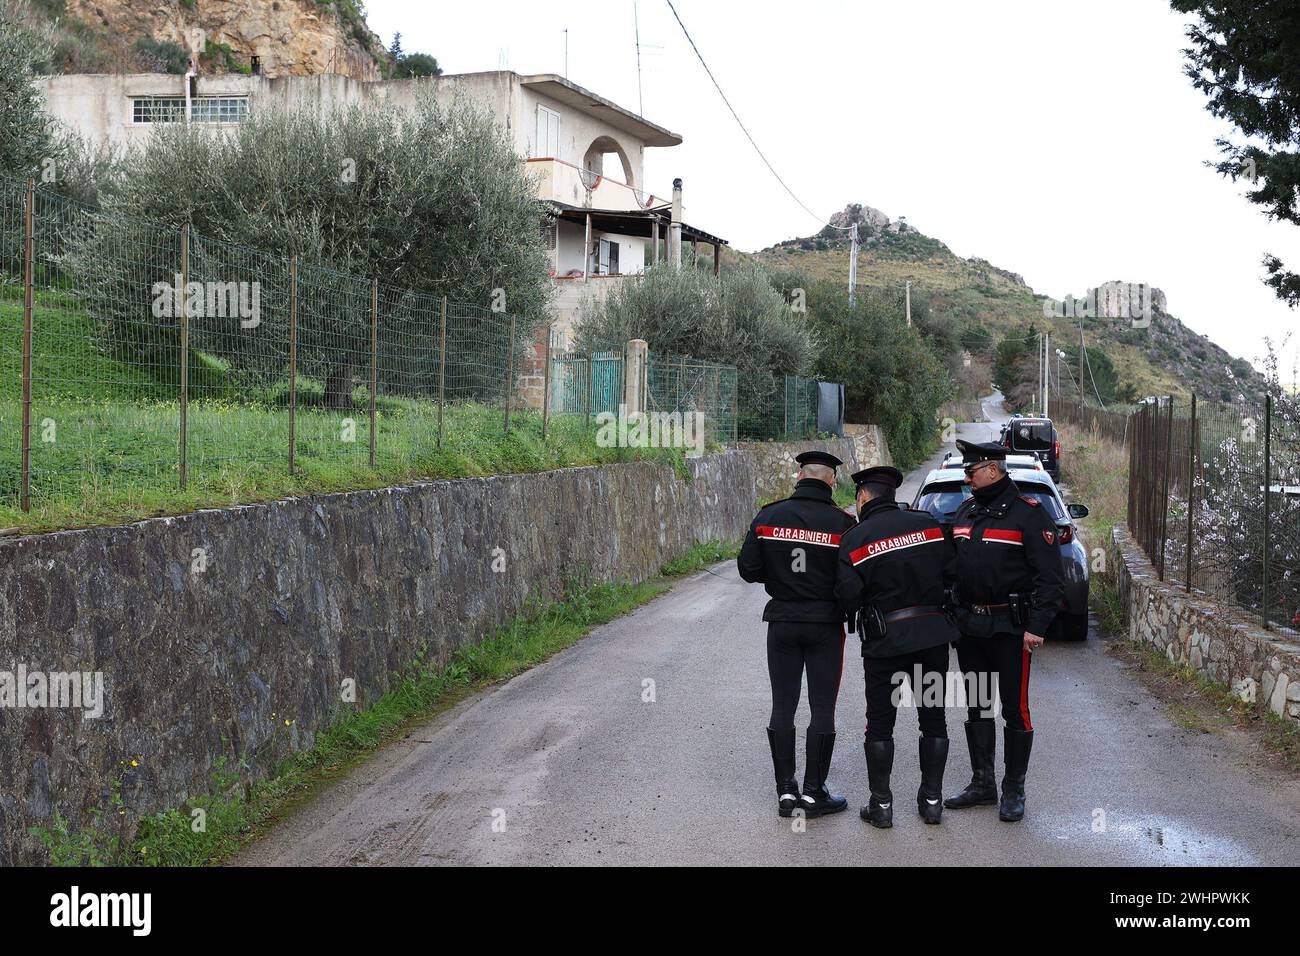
(574, 767)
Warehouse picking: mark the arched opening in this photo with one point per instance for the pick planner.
(601, 150)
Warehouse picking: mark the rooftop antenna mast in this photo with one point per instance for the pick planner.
(636, 27)
(566, 53)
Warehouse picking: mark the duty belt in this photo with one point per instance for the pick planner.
(986, 608)
(907, 613)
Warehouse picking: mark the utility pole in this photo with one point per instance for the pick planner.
(1080, 360)
(1039, 398)
(853, 267)
(1047, 371)
(908, 293)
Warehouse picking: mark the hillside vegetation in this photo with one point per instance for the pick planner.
(1165, 358)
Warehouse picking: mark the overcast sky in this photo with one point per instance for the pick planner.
(1056, 139)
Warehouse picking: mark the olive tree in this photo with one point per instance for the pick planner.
(429, 201)
(25, 132)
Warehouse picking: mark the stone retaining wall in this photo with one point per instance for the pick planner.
(1214, 640)
(226, 637)
(775, 468)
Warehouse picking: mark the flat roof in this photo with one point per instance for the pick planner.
(630, 222)
(571, 94)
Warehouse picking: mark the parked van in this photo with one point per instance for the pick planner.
(1036, 436)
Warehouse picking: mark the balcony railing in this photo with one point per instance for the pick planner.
(564, 182)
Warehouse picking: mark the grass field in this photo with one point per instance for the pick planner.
(105, 434)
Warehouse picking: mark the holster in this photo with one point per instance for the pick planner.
(1019, 606)
(871, 624)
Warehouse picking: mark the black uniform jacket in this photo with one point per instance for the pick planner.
(801, 585)
(1008, 546)
(892, 560)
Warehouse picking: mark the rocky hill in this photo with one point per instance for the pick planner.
(1156, 357)
(272, 37)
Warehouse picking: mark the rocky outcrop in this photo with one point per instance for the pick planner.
(288, 37)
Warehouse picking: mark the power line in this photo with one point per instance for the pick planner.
(743, 129)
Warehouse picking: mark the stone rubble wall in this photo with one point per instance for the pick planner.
(1219, 642)
(775, 469)
(224, 636)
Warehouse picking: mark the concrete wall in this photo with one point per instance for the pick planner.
(1214, 640)
(99, 105)
(227, 634)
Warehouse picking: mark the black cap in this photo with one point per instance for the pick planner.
(818, 458)
(974, 451)
(882, 475)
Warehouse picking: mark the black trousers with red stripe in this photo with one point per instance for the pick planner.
(792, 648)
(1005, 656)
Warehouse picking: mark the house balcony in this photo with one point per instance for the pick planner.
(570, 185)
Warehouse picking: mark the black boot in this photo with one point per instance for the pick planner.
(787, 790)
(879, 811)
(817, 800)
(1018, 744)
(934, 756)
(982, 791)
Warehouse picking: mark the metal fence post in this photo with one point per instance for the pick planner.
(185, 355)
(1268, 462)
(29, 299)
(510, 370)
(785, 403)
(546, 384)
(735, 406)
(442, 367)
(293, 361)
(374, 361)
(1191, 488)
(591, 368)
(1164, 517)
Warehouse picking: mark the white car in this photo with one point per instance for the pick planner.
(1028, 462)
(942, 493)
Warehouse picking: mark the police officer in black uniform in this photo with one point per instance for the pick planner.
(792, 547)
(896, 571)
(1009, 587)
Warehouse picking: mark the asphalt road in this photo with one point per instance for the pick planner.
(569, 763)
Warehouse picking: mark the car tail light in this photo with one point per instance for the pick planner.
(1056, 449)
(1065, 534)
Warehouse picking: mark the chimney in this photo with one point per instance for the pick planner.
(675, 234)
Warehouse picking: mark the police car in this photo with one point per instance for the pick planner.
(1032, 462)
(943, 491)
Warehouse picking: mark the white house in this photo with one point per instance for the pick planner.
(585, 153)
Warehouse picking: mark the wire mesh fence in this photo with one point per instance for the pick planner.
(1214, 500)
(1108, 423)
(777, 407)
(141, 360)
(733, 405)
(139, 356)
(677, 384)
